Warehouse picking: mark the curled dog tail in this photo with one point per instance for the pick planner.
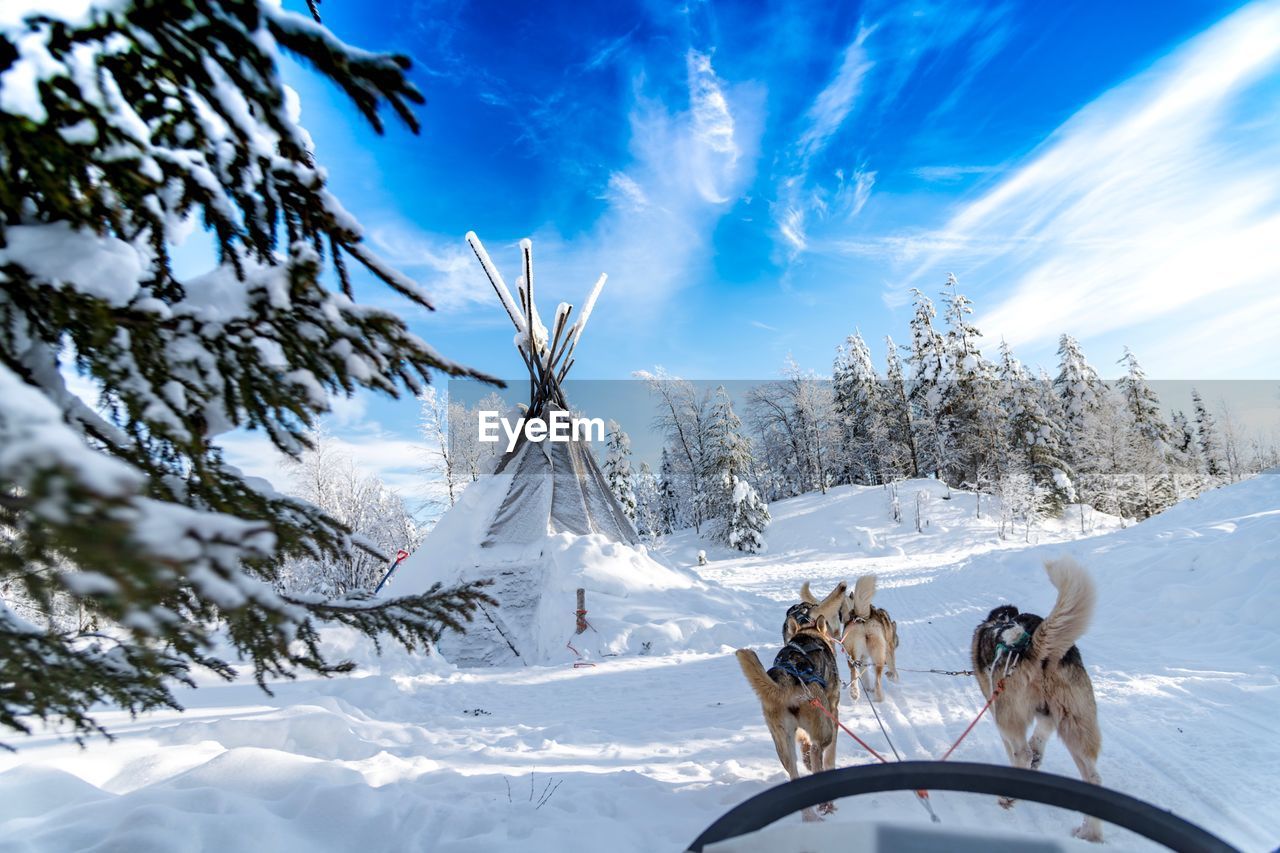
(863, 591)
(806, 595)
(1071, 613)
(765, 687)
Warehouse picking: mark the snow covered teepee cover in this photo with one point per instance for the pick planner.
(546, 524)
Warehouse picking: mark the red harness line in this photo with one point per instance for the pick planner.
(922, 794)
(994, 693)
(817, 703)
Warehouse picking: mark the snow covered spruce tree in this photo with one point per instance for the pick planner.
(927, 359)
(900, 440)
(617, 469)
(669, 507)
(741, 516)
(1085, 408)
(1150, 438)
(119, 131)
(859, 413)
(971, 421)
(650, 517)
(1210, 447)
(1034, 434)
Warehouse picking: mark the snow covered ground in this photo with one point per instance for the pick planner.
(640, 753)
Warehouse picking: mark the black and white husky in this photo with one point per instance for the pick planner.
(1041, 678)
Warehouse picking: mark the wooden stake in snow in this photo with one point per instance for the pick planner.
(582, 611)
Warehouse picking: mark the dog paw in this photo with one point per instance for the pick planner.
(893, 676)
(1085, 832)
(826, 808)
(1006, 802)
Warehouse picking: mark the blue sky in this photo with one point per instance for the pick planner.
(760, 179)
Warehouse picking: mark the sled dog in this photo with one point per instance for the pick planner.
(1044, 678)
(869, 635)
(803, 670)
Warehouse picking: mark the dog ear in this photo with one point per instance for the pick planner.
(790, 627)
(1002, 613)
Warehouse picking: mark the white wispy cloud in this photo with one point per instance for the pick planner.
(892, 45)
(689, 163)
(834, 103)
(943, 174)
(713, 150)
(349, 411)
(445, 267)
(1155, 201)
(797, 202)
(623, 190)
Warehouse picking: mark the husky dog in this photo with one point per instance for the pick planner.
(803, 670)
(869, 635)
(1043, 678)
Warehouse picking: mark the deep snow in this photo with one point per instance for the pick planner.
(642, 752)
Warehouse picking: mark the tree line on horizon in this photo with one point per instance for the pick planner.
(940, 409)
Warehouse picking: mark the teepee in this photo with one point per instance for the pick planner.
(555, 486)
(544, 529)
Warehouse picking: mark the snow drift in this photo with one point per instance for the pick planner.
(635, 604)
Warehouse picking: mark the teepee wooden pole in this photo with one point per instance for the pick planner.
(495, 278)
(535, 322)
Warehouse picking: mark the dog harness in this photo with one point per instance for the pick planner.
(804, 647)
(1017, 647)
(1010, 653)
(810, 677)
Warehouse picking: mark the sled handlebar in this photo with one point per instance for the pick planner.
(1114, 807)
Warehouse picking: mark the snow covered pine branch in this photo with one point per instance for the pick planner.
(119, 129)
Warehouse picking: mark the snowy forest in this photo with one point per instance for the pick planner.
(940, 408)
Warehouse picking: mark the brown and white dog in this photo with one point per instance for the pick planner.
(804, 669)
(869, 635)
(1043, 678)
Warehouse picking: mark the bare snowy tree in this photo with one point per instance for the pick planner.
(328, 478)
(454, 457)
(799, 410)
(684, 416)
(440, 464)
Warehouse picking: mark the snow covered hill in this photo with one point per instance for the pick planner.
(641, 752)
